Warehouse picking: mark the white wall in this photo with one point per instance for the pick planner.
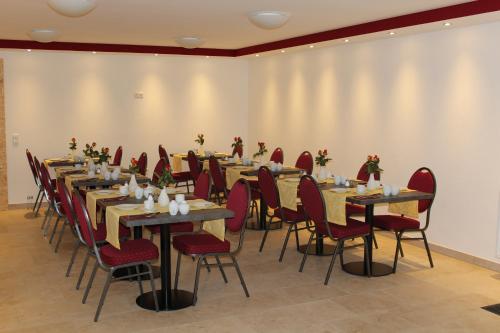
(431, 100)
(53, 96)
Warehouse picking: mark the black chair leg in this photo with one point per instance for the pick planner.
(264, 238)
(39, 204)
(305, 253)
(338, 248)
(297, 236)
(221, 269)
(54, 229)
(398, 245)
(36, 201)
(196, 280)
(139, 280)
(82, 271)
(73, 256)
(61, 235)
(103, 295)
(427, 249)
(177, 270)
(91, 281)
(206, 264)
(237, 267)
(285, 243)
(375, 241)
(153, 288)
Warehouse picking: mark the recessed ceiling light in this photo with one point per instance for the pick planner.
(392, 33)
(94, 52)
(156, 54)
(43, 35)
(72, 8)
(268, 19)
(447, 24)
(311, 46)
(207, 57)
(257, 55)
(29, 50)
(346, 40)
(189, 42)
(282, 51)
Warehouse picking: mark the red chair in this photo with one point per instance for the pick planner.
(117, 158)
(305, 162)
(158, 171)
(202, 190)
(204, 245)
(39, 173)
(277, 156)
(179, 177)
(53, 200)
(132, 254)
(269, 190)
(237, 150)
(422, 180)
(38, 182)
(142, 163)
(218, 179)
(315, 209)
(194, 165)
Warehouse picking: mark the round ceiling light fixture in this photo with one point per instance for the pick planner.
(268, 19)
(72, 8)
(189, 42)
(43, 35)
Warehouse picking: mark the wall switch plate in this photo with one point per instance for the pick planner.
(15, 139)
(139, 95)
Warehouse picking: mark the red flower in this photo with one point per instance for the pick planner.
(325, 152)
(73, 139)
(94, 144)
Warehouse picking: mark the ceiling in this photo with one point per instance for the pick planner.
(221, 23)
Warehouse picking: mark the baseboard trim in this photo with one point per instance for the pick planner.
(23, 206)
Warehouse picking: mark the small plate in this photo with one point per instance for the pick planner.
(339, 190)
(202, 204)
(154, 210)
(105, 192)
(127, 206)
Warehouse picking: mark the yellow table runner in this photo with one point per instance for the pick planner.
(406, 208)
(177, 162)
(91, 199)
(233, 174)
(113, 214)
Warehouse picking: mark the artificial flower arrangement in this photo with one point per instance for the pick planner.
(262, 150)
(372, 164)
(237, 142)
(72, 144)
(89, 150)
(200, 139)
(322, 158)
(166, 177)
(104, 155)
(134, 165)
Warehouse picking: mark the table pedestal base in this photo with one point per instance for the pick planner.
(327, 250)
(253, 225)
(358, 268)
(180, 299)
(124, 271)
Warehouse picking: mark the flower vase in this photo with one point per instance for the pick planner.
(132, 185)
(323, 173)
(201, 151)
(372, 184)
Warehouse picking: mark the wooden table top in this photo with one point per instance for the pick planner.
(204, 157)
(102, 182)
(380, 198)
(107, 202)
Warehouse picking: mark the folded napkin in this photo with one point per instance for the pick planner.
(177, 162)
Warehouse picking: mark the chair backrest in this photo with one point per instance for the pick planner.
(268, 187)
(305, 161)
(277, 156)
(194, 165)
(364, 175)
(67, 205)
(239, 202)
(238, 150)
(423, 180)
(142, 163)
(117, 159)
(158, 171)
(216, 173)
(83, 219)
(312, 200)
(203, 186)
(32, 167)
(46, 182)
(37, 168)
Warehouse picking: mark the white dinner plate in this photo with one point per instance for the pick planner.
(202, 204)
(105, 192)
(339, 190)
(127, 206)
(154, 210)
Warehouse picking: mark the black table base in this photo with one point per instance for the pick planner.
(254, 225)
(180, 299)
(358, 268)
(325, 250)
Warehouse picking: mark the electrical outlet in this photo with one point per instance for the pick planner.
(29, 197)
(139, 95)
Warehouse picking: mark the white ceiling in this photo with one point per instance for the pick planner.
(221, 23)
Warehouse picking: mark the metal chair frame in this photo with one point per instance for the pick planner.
(93, 250)
(37, 181)
(339, 247)
(202, 258)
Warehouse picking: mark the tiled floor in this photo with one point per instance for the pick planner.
(35, 296)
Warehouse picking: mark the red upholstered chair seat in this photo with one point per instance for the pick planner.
(395, 222)
(292, 215)
(131, 251)
(353, 228)
(200, 244)
(352, 209)
(100, 233)
(174, 227)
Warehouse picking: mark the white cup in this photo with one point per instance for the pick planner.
(338, 180)
(360, 189)
(387, 190)
(139, 192)
(395, 190)
(180, 198)
(107, 175)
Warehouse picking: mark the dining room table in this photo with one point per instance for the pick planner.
(78, 181)
(169, 299)
(177, 159)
